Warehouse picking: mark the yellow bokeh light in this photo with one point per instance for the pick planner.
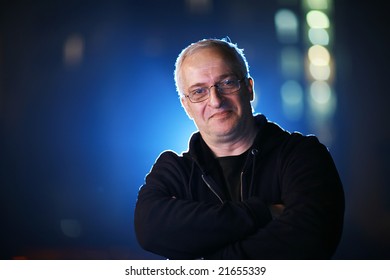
(319, 55)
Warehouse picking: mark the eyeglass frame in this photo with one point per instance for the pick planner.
(218, 90)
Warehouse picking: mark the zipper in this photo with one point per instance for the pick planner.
(254, 152)
(241, 188)
(211, 189)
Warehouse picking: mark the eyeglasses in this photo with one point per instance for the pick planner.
(225, 87)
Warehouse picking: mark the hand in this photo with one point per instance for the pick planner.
(276, 210)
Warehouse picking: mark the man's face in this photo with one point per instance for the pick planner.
(220, 116)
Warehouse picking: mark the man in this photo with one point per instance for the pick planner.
(246, 188)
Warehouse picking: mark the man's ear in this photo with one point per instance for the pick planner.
(187, 108)
(251, 88)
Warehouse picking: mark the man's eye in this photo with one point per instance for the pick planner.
(199, 91)
(227, 82)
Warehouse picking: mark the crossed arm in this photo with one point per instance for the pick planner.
(184, 229)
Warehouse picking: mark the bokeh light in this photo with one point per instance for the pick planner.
(317, 19)
(318, 36)
(287, 26)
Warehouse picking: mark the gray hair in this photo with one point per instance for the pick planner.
(227, 48)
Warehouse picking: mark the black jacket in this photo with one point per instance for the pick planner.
(182, 212)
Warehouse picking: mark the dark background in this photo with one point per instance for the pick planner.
(76, 140)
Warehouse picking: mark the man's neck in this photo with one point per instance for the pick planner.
(232, 145)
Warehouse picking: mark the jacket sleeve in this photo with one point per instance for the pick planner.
(167, 223)
(311, 224)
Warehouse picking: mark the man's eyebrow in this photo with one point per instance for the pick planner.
(197, 85)
(224, 76)
(219, 79)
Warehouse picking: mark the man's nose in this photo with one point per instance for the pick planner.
(215, 99)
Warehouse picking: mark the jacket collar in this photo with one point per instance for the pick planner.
(203, 156)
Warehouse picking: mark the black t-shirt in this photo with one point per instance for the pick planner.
(231, 168)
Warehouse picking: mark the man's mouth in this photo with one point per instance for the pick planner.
(220, 115)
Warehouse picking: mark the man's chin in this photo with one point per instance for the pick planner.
(224, 129)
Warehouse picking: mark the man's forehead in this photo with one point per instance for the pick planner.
(205, 60)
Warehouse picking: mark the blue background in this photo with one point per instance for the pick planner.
(78, 140)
